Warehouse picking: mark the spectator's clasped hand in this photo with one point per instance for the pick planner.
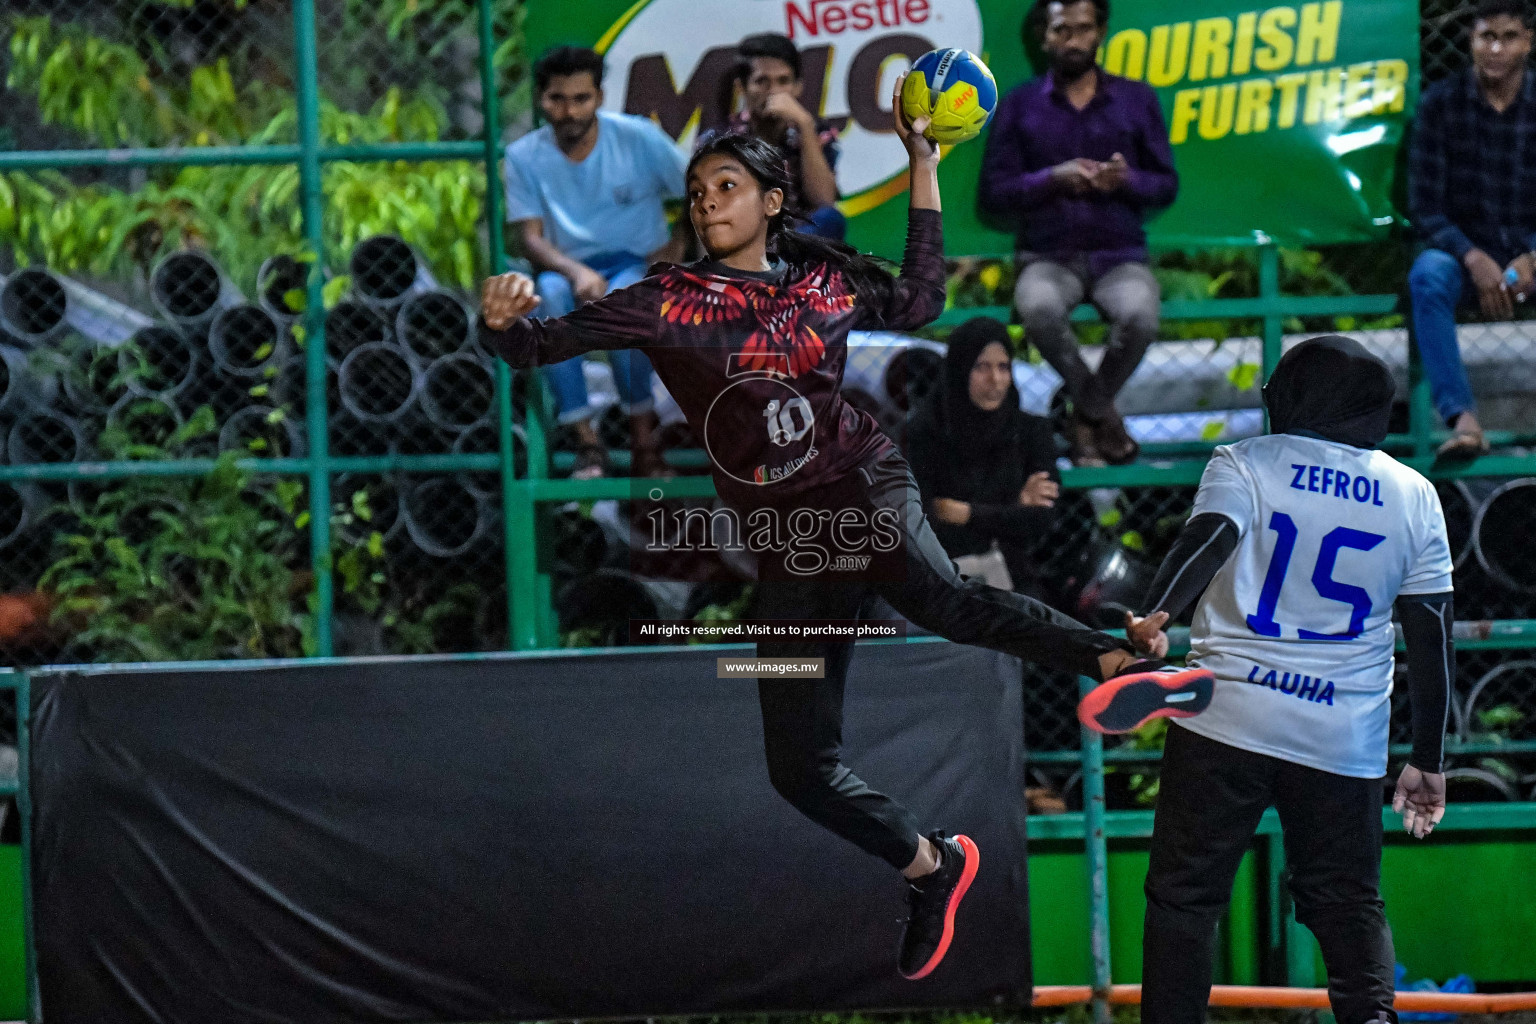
(1492, 291)
(1081, 175)
(587, 285)
(506, 297)
(783, 107)
(1499, 288)
(1520, 276)
(1040, 491)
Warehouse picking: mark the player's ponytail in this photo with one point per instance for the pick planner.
(869, 276)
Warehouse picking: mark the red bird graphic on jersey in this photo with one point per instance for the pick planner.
(726, 344)
(777, 311)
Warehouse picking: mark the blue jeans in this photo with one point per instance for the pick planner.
(631, 368)
(1438, 285)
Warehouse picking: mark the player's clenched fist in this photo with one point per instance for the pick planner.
(506, 297)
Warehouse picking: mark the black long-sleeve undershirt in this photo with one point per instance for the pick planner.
(1201, 549)
(1427, 622)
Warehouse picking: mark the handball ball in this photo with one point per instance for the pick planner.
(955, 89)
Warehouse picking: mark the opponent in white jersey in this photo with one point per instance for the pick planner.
(1298, 547)
(1297, 625)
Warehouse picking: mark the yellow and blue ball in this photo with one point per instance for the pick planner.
(955, 89)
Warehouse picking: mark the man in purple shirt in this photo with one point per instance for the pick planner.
(1080, 158)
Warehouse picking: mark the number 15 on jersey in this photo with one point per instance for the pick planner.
(1263, 622)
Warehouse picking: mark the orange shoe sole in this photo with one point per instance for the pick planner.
(1126, 703)
(972, 863)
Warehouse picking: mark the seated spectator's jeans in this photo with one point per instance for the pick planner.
(1128, 297)
(631, 368)
(1438, 284)
(827, 222)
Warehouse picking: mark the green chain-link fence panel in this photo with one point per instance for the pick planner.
(155, 313)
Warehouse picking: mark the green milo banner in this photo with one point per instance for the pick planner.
(1285, 121)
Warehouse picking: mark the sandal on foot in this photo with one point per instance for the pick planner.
(591, 462)
(1464, 444)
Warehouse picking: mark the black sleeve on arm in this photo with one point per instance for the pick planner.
(1202, 548)
(626, 318)
(919, 293)
(1427, 622)
(925, 455)
(1022, 524)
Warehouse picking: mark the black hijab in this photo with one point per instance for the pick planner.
(980, 429)
(1331, 388)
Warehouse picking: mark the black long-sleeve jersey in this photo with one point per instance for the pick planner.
(754, 361)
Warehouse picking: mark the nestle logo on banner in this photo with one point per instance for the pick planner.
(813, 17)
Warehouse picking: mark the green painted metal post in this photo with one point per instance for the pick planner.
(23, 695)
(314, 321)
(1243, 927)
(1275, 891)
(1274, 323)
(1096, 854)
(517, 509)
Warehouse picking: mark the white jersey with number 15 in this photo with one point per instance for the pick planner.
(1297, 626)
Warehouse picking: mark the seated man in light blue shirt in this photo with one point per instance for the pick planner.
(586, 192)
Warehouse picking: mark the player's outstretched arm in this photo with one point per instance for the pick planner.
(1201, 549)
(622, 319)
(1420, 794)
(919, 294)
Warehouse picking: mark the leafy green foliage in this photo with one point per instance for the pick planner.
(214, 566)
(181, 568)
(111, 94)
(1144, 783)
(728, 612)
(117, 92)
(242, 214)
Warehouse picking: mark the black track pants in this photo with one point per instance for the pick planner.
(1209, 803)
(803, 718)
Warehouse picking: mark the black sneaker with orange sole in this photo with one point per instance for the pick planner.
(933, 901)
(1144, 691)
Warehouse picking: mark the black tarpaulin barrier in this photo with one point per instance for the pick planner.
(518, 837)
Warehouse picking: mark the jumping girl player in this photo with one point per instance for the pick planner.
(752, 342)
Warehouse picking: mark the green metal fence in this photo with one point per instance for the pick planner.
(522, 457)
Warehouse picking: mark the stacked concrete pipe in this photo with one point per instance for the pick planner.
(444, 518)
(386, 272)
(190, 289)
(38, 307)
(1501, 535)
